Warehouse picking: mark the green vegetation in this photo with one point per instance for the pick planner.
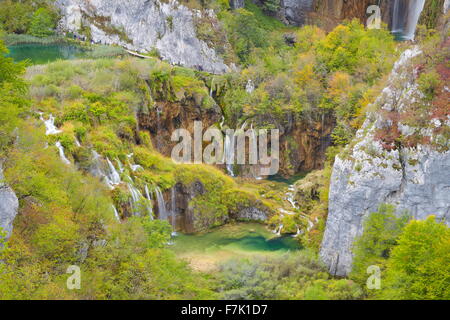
(113, 106)
(293, 276)
(413, 257)
(35, 17)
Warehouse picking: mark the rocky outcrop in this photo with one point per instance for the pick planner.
(8, 206)
(295, 12)
(142, 25)
(416, 180)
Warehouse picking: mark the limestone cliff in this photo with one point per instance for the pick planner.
(8, 206)
(144, 26)
(415, 178)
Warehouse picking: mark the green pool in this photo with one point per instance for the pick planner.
(204, 251)
(44, 53)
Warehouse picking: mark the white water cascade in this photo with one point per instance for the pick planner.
(405, 17)
(113, 174)
(290, 197)
(277, 231)
(298, 233)
(107, 172)
(230, 140)
(149, 206)
(249, 87)
(162, 211)
(61, 152)
(173, 210)
(116, 213)
(50, 127)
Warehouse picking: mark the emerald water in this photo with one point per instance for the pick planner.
(205, 250)
(44, 53)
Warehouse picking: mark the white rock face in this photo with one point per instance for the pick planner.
(8, 206)
(415, 180)
(148, 24)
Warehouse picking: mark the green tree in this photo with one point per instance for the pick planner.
(42, 23)
(381, 232)
(12, 95)
(419, 266)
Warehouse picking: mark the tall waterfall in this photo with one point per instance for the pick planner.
(162, 211)
(405, 18)
(173, 210)
(230, 140)
(114, 176)
(149, 206)
(61, 152)
(136, 196)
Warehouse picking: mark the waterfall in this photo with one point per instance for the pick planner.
(161, 204)
(77, 143)
(254, 148)
(290, 197)
(50, 127)
(277, 231)
(136, 196)
(149, 205)
(61, 152)
(249, 87)
(116, 213)
(230, 140)
(114, 176)
(173, 210)
(299, 232)
(134, 167)
(109, 175)
(405, 18)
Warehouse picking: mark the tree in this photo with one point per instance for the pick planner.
(380, 235)
(42, 23)
(419, 265)
(12, 92)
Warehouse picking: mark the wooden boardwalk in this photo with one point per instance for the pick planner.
(137, 54)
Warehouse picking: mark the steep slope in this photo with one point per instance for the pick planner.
(141, 25)
(392, 160)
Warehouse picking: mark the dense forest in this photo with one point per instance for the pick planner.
(85, 151)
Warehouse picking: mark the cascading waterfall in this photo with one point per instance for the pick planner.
(405, 18)
(173, 210)
(61, 152)
(290, 197)
(116, 213)
(298, 233)
(229, 152)
(114, 176)
(163, 215)
(229, 148)
(77, 143)
(136, 196)
(254, 147)
(249, 87)
(49, 124)
(109, 175)
(149, 206)
(277, 231)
